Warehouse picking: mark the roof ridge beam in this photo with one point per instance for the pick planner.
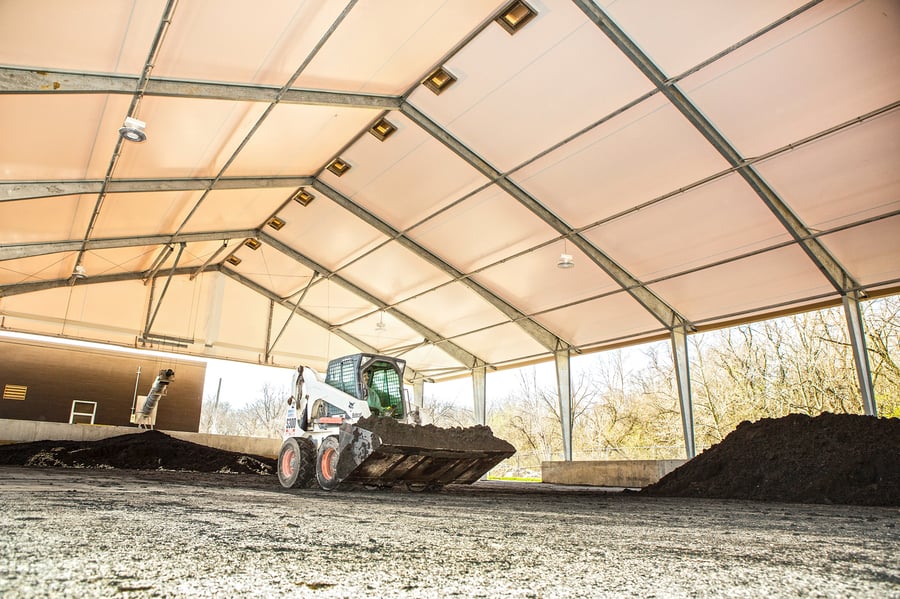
(643, 295)
(27, 250)
(24, 80)
(535, 330)
(833, 271)
(461, 355)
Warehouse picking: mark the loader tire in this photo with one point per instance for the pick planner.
(296, 463)
(326, 463)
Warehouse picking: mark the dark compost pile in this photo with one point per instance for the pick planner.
(395, 433)
(831, 458)
(148, 450)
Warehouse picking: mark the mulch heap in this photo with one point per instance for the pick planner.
(395, 433)
(148, 450)
(830, 458)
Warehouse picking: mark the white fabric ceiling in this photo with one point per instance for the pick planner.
(702, 161)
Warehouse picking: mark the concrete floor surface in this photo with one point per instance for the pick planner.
(107, 533)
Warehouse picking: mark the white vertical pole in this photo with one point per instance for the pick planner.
(683, 382)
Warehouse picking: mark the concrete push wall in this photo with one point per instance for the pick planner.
(622, 473)
(23, 431)
(39, 381)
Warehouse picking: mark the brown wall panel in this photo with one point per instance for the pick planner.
(58, 374)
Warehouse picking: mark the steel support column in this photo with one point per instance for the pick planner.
(860, 354)
(566, 405)
(479, 394)
(683, 382)
(419, 393)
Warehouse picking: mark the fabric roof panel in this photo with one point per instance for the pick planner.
(468, 236)
(186, 137)
(271, 269)
(50, 267)
(771, 279)
(298, 139)
(430, 360)
(869, 251)
(502, 343)
(642, 154)
(710, 25)
(387, 338)
(601, 321)
(45, 219)
(713, 222)
(144, 213)
(200, 43)
(393, 273)
(507, 118)
(89, 35)
(231, 209)
(382, 46)
(334, 303)
(325, 233)
(842, 58)
(405, 178)
(843, 178)
(535, 283)
(460, 308)
(60, 136)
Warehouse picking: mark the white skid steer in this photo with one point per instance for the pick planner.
(357, 426)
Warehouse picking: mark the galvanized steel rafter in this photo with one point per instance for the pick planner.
(455, 351)
(538, 332)
(27, 250)
(22, 80)
(818, 253)
(649, 300)
(26, 190)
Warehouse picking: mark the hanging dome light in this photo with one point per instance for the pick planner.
(565, 261)
(79, 272)
(133, 130)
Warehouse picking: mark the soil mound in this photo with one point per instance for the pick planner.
(148, 450)
(831, 458)
(434, 437)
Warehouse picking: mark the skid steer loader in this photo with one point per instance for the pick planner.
(357, 426)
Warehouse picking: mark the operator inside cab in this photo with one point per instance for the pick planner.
(382, 387)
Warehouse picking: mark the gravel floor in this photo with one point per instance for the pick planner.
(111, 533)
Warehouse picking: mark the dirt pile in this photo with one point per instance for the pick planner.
(148, 450)
(434, 437)
(831, 458)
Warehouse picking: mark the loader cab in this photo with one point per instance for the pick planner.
(376, 379)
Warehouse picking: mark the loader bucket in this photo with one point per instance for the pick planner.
(383, 452)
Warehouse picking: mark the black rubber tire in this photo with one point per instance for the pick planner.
(326, 463)
(296, 463)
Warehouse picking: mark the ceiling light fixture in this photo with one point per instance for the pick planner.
(515, 16)
(79, 272)
(303, 197)
(382, 129)
(133, 130)
(565, 260)
(233, 260)
(253, 244)
(338, 167)
(276, 223)
(439, 80)
(380, 326)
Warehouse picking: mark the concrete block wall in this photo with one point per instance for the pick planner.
(25, 431)
(632, 474)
